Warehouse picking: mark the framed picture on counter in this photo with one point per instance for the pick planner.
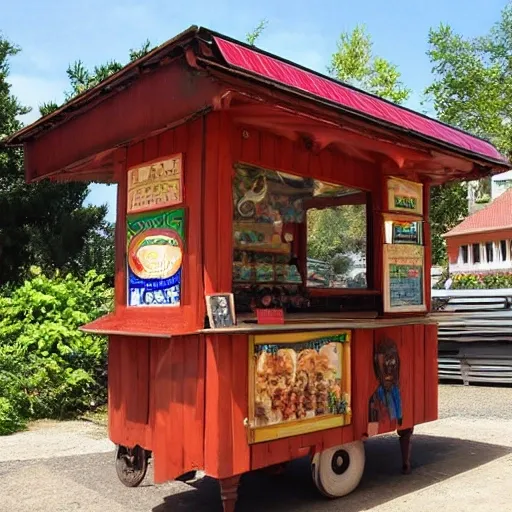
(221, 310)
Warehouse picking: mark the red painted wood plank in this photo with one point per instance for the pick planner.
(166, 143)
(151, 148)
(194, 401)
(431, 377)
(141, 109)
(325, 165)
(250, 146)
(301, 159)
(348, 434)
(171, 382)
(115, 399)
(285, 154)
(363, 379)
(211, 204)
(193, 164)
(419, 374)
(227, 450)
(128, 391)
(259, 455)
(179, 406)
(407, 389)
(239, 362)
(225, 206)
(268, 150)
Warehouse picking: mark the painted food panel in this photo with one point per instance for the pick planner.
(155, 257)
(300, 380)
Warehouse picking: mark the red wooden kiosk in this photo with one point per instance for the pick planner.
(272, 259)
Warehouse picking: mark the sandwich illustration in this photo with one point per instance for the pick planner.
(155, 254)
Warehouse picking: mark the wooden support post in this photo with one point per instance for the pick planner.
(229, 492)
(405, 447)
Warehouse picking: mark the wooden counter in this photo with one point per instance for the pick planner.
(251, 327)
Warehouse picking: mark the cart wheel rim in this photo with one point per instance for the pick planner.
(337, 471)
(340, 462)
(131, 465)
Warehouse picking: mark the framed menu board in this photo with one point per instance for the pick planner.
(405, 196)
(405, 232)
(404, 282)
(155, 185)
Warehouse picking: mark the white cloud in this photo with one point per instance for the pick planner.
(32, 91)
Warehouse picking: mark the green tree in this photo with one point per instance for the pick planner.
(254, 35)
(86, 228)
(472, 86)
(353, 62)
(33, 215)
(449, 206)
(472, 89)
(48, 368)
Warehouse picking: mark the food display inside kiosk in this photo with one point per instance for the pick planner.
(298, 382)
(293, 234)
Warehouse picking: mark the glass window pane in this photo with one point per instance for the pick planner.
(476, 253)
(464, 253)
(503, 250)
(336, 251)
(294, 231)
(489, 252)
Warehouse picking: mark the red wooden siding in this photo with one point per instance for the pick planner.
(431, 377)
(179, 406)
(129, 391)
(186, 399)
(156, 399)
(147, 105)
(419, 384)
(417, 346)
(217, 205)
(225, 440)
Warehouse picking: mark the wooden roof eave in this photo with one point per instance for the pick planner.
(121, 79)
(304, 103)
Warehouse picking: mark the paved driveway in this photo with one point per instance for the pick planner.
(463, 462)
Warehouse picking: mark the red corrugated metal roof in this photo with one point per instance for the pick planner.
(498, 215)
(273, 68)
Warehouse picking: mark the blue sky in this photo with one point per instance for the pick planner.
(54, 33)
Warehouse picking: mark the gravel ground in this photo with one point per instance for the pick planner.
(463, 462)
(475, 401)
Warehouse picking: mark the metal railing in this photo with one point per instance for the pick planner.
(475, 335)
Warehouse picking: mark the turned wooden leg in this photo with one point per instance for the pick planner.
(405, 447)
(229, 492)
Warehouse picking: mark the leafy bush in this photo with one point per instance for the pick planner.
(48, 368)
(488, 281)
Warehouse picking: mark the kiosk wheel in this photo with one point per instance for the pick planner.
(131, 465)
(337, 471)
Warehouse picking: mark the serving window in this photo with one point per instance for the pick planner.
(293, 235)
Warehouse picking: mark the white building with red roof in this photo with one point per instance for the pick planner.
(483, 241)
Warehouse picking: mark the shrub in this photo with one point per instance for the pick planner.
(48, 368)
(487, 281)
